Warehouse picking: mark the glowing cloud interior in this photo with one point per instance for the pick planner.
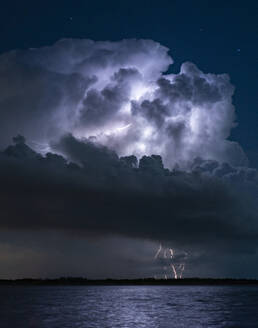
(118, 94)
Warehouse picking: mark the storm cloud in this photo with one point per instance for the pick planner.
(111, 147)
(96, 191)
(119, 94)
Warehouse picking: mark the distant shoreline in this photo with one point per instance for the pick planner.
(127, 282)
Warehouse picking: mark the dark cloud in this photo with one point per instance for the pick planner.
(107, 195)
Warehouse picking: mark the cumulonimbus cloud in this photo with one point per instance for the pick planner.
(118, 94)
(117, 146)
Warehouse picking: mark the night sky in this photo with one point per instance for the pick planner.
(118, 155)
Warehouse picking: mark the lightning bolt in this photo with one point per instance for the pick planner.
(182, 268)
(174, 270)
(158, 252)
(169, 255)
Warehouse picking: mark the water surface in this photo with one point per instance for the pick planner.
(129, 306)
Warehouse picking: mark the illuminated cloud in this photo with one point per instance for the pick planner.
(118, 94)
